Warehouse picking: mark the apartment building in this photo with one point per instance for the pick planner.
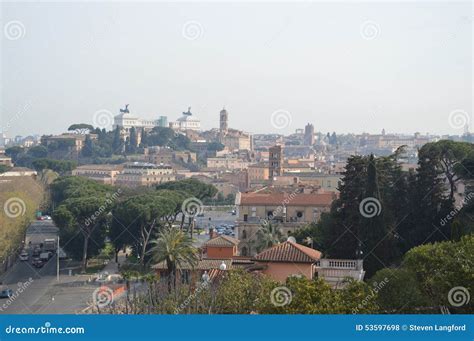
(105, 174)
(136, 174)
(286, 211)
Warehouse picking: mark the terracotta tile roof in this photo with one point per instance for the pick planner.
(289, 252)
(222, 241)
(287, 199)
(203, 264)
(216, 273)
(241, 261)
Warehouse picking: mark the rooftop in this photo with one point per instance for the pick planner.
(292, 199)
(203, 264)
(222, 241)
(289, 252)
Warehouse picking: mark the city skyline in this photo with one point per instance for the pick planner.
(374, 67)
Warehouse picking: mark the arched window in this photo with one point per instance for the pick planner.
(244, 251)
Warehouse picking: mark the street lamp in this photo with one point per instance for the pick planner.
(57, 260)
(359, 251)
(205, 277)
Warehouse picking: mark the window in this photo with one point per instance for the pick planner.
(299, 214)
(244, 251)
(246, 217)
(185, 276)
(244, 234)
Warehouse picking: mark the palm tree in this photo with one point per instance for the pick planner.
(175, 248)
(268, 235)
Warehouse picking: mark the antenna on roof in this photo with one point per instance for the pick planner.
(291, 239)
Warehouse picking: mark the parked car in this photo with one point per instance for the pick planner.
(45, 256)
(36, 252)
(6, 293)
(102, 277)
(24, 256)
(38, 263)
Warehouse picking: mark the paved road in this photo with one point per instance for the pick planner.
(37, 291)
(217, 218)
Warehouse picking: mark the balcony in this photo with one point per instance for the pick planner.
(335, 271)
(288, 221)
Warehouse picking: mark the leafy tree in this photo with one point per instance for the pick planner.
(376, 239)
(215, 147)
(132, 143)
(306, 296)
(88, 149)
(82, 219)
(193, 187)
(342, 226)
(268, 235)
(175, 248)
(14, 152)
(426, 277)
(117, 142)
(399, 291)
(81, 128)
(38, 151)
(241, 292)
(67, 187)
(59, 166)
(4, 168)
(447, 157)
(312, 234)
(439, 267)
(166, 137)
(140, 217)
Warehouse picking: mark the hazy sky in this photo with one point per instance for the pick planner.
(345, 67)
